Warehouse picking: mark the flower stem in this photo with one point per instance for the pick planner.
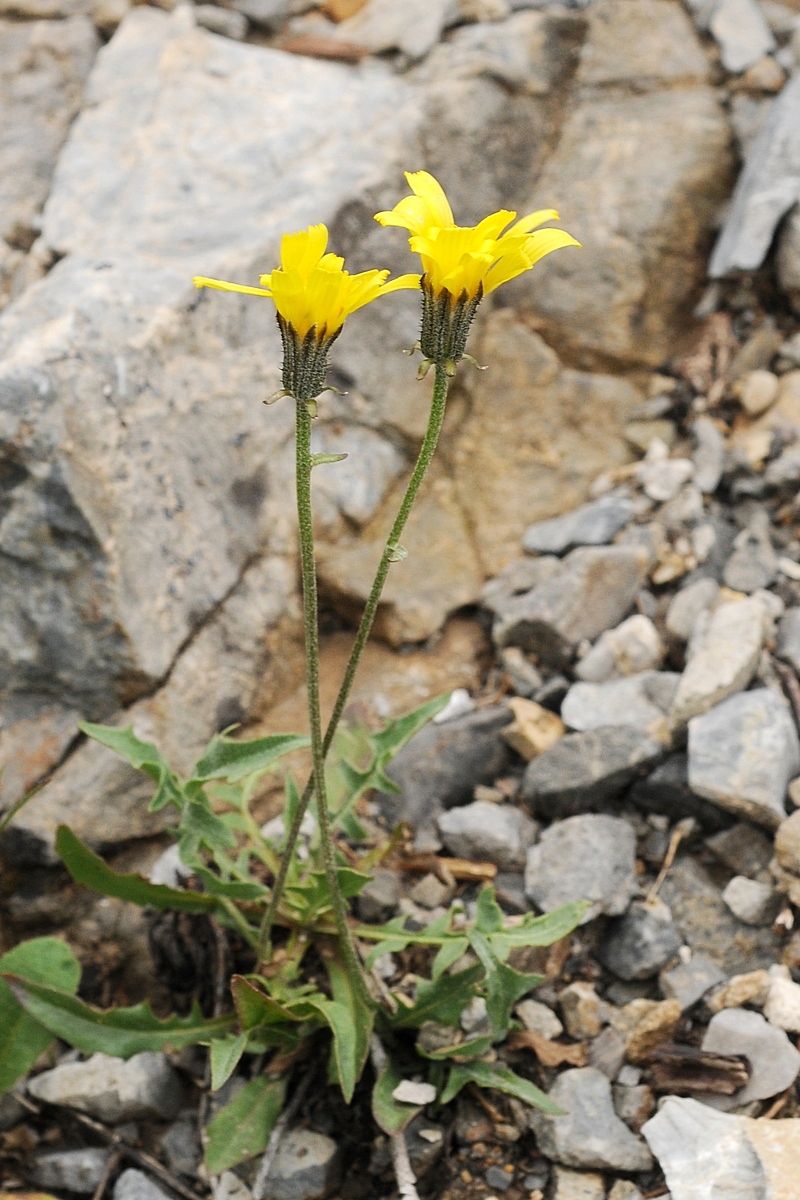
(311, 632)
(435, 420)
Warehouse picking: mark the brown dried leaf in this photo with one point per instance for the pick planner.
(549, 1054)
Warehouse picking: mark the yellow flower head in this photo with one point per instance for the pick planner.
(311, 289)
(472, 261)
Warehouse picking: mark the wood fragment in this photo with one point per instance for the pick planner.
(315, 46)
(458, 868)
(681, 1070)
(549, 1054)
(112, 1162)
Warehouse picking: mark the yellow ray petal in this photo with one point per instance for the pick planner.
(533, 221)
(200, 281)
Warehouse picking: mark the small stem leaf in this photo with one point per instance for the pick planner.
(318, 460)
(391, 1115)
(241, 1129)
(488, 914)
(491, 1075)
(118, 1031)
(22, 1038)
(351, 1035)
(448, 953)
(539, 931)
(504, 986)
(88, 868)
(225, 1055)
(226, 758)
(397, 553)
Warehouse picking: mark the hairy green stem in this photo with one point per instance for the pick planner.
(311, 631)
(390, 555)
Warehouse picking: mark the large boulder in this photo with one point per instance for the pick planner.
(641, 168)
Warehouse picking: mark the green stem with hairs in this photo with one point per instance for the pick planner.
(390, 555)
(311, 631)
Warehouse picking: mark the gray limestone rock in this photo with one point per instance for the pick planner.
(742, 33)
(689, 981)
(743, 848)
(788, 647)
(577, 1185)
(753, 564)
(224, 21)
(633, 647)
(593, 524)
(181, 1146)
(687, 605)
(589, 857)
(666, 790)
(413, 27)
(589, 1134)
(709, 455)
(742, 755)
(703, 1153)
(752, 901)
(135, 1185)
(767, 188)
(484, 831)
(114, 1090)
(443, 763)
(725, 661)
(639, 944)
(73, 1170)
(307, 1167)
(43, 68)
(590, 591)
(641, 701)
(707, 924)
(538, 1018)
(774, 1062)
(584, 770)
(379, 899)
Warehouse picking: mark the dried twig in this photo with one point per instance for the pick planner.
(136, 1156)
(112, 1162)
(260, 1185)
(403, 1173)
(777, 1105)
(457, 868)
(680, 831)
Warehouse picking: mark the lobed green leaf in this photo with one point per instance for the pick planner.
(227, 758)
(23, 1038)
(493, 1075)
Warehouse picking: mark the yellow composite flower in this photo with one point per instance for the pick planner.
(472, 261)
(311, 289)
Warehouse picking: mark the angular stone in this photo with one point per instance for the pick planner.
(73, 1170)
(181, 1146)
(498, 833)
(742, 33)
(633, 646)
(355, 488)
(645, 1025)
(535, 729)
(443, 763)
(623, 1189)
(663, 478)
(586, 857)
(378, 901)
(589, 592)
(307, 1166)
(224, 21)
(135, 1185)
(43, 68)
(413, 27)
(709, 455)
(634, 1105)
(725, 662)
(751, 988)
(113, 1090)
(585, 770)
(538, 1018)
(666, 790)
(594, 177)
(639, 944)
(593, 524)
(589, 1134)
(787, 843)
(687, 605)
(576, 1185)
(742, 848)
(231, 1187)
(766, 189)
(782, 1008)
(583, 1011)
(662, 48)
(689, 981)
(642, 701)
(751, 901)
(707, 924)
(753, 564)
(788, 647)
(774, 1062)
(705, 1154)
(607, 1052)
(742, 755)
(531, 471)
